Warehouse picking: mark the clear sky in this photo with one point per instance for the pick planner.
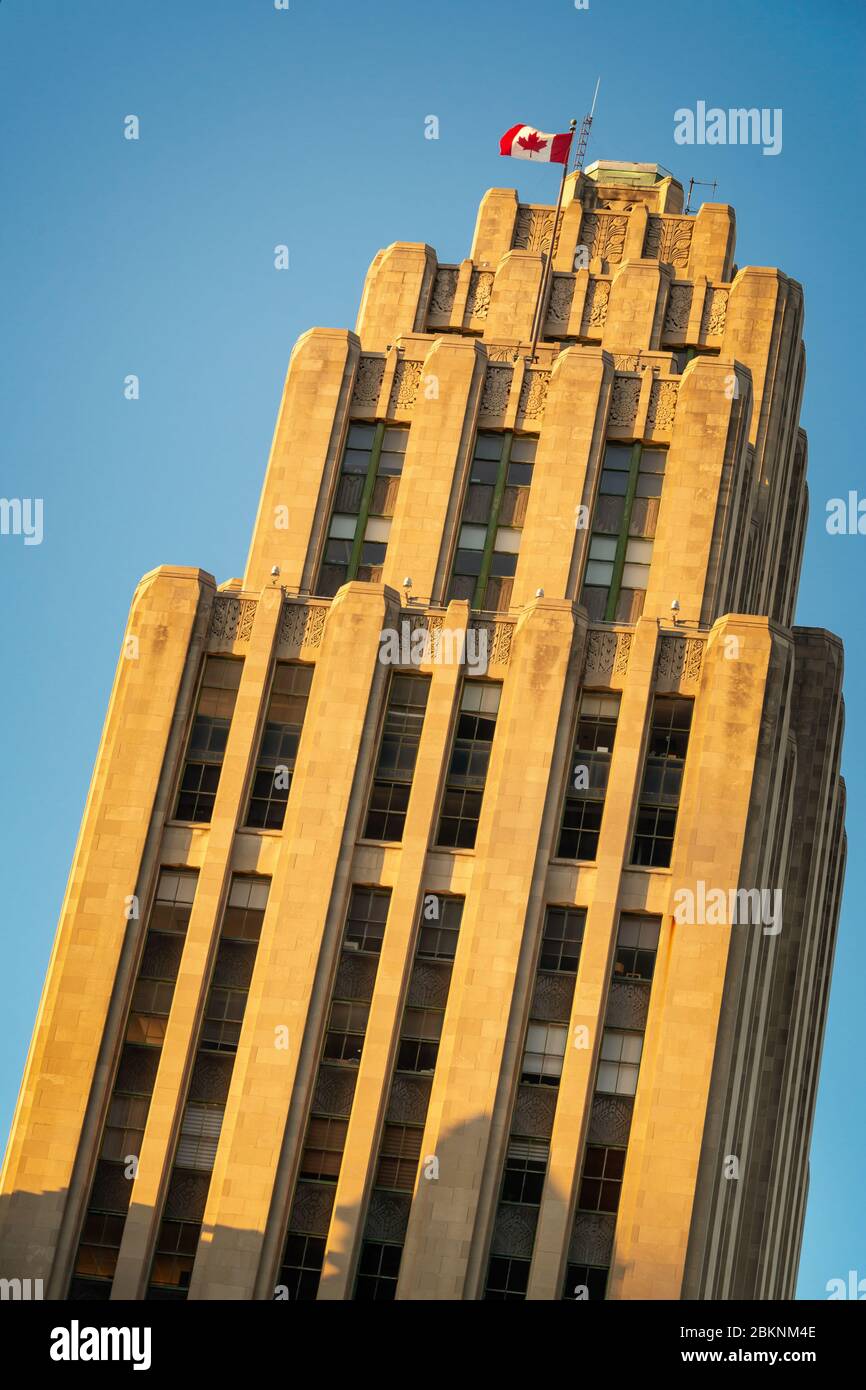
(156, 257)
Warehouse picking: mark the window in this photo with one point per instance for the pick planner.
(395, 767)
(400, 1146)
(378, 1271)
(494, 512)
(440, 926)
(562, 939)
(525, 1167)
(620, 1062)
(419, 1040)
(323, 1153)
(545, 1049)
(623, 527)
(365, 922)
(662, 779)
(467, 770)
(199, 1136)
(588, 774)
(281, 735)
(130, 1100)
(174, 1259)
(507, 1280)
(364, 505)
(585, 1282)
(208, 738)
(399, 1153)
(601, 1183)
(327, 1125)
(347, 1024)
(301, 1270)
(636, 946)
(201, 1125)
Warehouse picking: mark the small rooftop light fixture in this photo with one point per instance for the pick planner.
(675, 608)
(539, 593)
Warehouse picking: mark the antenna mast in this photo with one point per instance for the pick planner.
(583, 137)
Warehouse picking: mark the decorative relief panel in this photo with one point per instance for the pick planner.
(533, 393)
(592, 1238)
(610, 1120)
(595, 307)
(669, 239)
(302, 624)
(561, 296)
(480, 290)
(501, 352)
(679, 661)
(626, 361)
(534, 1111)
(715, 312)
(551, 997)
(368, 380)
(499, 637)
(444, 290)
(231, 619)
(388, 1216)
(662, 407)
(497, 385)
(624, 402)
(409, 1099)
(311, 1211)
(407, 379)
(678, 310)
(532, 229)
(603, 234)
(627, 1004)
(607, 653)
(335, 1090)
(514, 1231)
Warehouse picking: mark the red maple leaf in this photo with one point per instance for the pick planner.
(531, 142)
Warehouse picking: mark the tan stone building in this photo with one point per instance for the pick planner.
(454, 907)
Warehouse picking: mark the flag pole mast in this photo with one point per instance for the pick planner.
(548, 265)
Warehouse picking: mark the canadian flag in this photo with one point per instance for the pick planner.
(525, 142)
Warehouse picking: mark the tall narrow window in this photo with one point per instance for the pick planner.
(623, 528)
(133, 1086)
(603, 1165)
(528, 1149)
(494, 512)
(279, 746)
(203, 1112)
(662, 780)
(364, 505)
(411, 1082)
(208, 738)
(328, 1122)
(587, 777)
(467, 770)
(395, 766)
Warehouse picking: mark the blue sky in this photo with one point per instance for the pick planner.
(155, 257)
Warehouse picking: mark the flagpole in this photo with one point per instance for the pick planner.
(548, 265)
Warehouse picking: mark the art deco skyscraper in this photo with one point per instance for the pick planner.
(454, 907)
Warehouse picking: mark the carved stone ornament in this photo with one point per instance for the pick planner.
(595, 306)
(232, 618)
(444, 290)
(603, 235)
(623, 406)
(497, 385)
(662, 407)
(532, 229)
(368, 381)
(669, 239)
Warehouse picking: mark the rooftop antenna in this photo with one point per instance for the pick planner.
(698, 183)
(583, 137)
